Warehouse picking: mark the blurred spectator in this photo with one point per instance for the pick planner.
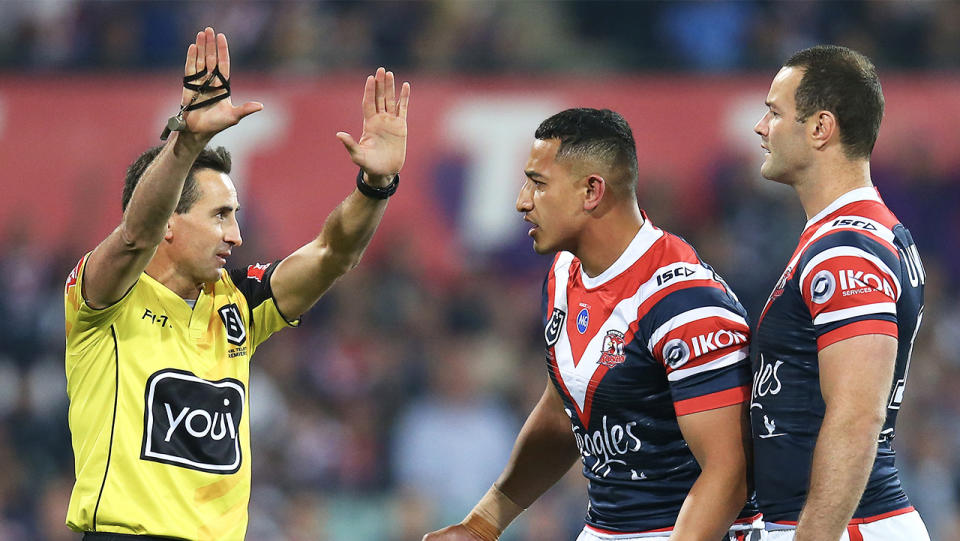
(450, 445)
(493, 35)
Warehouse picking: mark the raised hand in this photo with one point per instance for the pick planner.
(210, 51)
(383, 144)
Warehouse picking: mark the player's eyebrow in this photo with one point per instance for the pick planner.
(533, 175)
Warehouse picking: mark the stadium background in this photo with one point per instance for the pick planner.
(396, 405)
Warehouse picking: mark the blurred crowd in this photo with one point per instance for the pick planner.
(396, 405)
(476, 35)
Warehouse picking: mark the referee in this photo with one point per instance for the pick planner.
(159, 335)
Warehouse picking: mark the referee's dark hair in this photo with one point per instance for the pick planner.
(844, 82)
(601, 135)
(217, 159)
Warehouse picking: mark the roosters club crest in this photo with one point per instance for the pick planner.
(781, 285)
(612, 352)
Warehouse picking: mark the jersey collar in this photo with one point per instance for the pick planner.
(641, 242)
(867, 193)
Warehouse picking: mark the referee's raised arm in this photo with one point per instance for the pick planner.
(302, 277)
(115, 265)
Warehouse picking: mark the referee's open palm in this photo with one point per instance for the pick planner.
(209, 52)
(383, 144)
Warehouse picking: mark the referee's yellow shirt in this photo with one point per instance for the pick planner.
(159, 406)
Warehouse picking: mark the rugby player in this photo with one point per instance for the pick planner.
(832, 347)
(647, 355)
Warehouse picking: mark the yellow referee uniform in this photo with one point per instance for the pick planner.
(159, 406)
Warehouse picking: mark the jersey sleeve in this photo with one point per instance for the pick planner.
(702, 339)
(850, 283)
(83, 323)
(265, 317)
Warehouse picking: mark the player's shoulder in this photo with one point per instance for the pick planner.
(673, 247)
(864, 225)
(681, 282)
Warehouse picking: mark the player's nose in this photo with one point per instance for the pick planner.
(760, 128)
(524, 201)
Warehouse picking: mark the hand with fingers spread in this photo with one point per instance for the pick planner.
(382, 147)
(210, 53)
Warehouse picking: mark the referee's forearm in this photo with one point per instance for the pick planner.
(158, 192)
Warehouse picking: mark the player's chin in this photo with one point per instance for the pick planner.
(768, 170)
(541, 247)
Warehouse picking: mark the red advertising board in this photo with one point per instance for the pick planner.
(66, 141)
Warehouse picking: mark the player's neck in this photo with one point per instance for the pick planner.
(825, 184)
(165, 272)
(607, 237)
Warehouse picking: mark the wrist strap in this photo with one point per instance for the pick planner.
(492, 514)
(374, 192)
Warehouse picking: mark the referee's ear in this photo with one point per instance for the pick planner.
(596, 188)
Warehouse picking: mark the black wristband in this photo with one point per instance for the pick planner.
(374, 192)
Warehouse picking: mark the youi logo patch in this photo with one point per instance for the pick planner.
(192, 422)
(583, 321)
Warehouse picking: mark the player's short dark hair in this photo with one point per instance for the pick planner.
(217, 159)
(844, 82)
(597, 134)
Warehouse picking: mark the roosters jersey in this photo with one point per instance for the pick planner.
(856, 271)
(159, 405)
(656, 335)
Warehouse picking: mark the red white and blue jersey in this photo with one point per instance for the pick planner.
(656, 335)
(856, 271)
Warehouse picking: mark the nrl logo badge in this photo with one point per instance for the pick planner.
(612, 353)
(236, 333)
(552, 333)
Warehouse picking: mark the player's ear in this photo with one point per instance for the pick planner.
(823, 128)
(168, 234)
(596, 187)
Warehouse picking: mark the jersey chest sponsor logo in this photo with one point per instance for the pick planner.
(583, 321)
(766, 382)
(552, 332)
(602, 449)
(233, 323)
(192, 422)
